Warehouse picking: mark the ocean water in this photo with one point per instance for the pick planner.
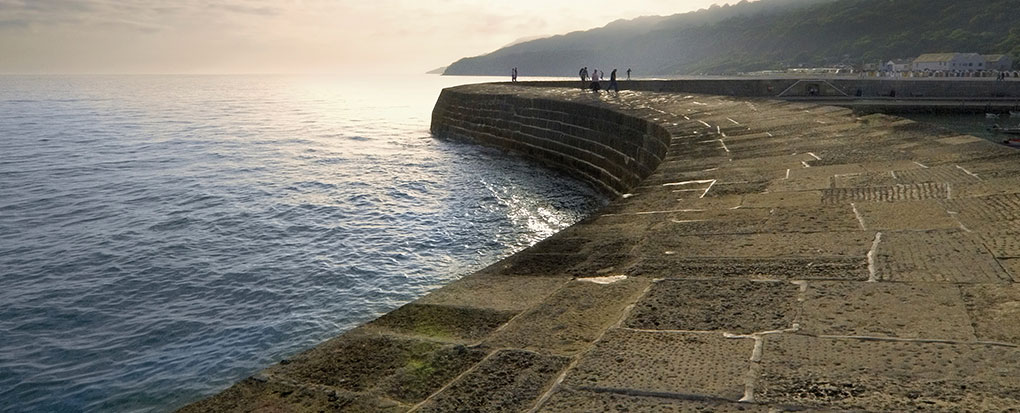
(164, 236)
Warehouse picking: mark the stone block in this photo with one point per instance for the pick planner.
(706, 365)
(871, 375)
(895, 193)
(899, 216)
(733, 306)
(763, 245)
(582, 401)
(508, 381)
(994, 310)
(402, 369)
(571, 318)
(495, 292)
(832, 218)
(443, 322)
(267, 395)
(782, 199)
(905, 310)
(941, 256)
(673, 266)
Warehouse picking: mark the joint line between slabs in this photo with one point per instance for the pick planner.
(921, 340)
(577, 358)
(860, 219)
(872, 277)
(969, 173)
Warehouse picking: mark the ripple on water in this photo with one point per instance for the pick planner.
(175, 234)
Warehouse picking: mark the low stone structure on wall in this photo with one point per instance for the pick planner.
(762, 256)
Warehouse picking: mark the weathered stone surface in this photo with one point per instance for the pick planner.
(888, 375)
(734, 306)
(495, 292)
(834, 218)
(401, 369)
(715, 192)
(267, 395)
(570, 400)
(945, 256)
(904, 216)
(704, 364)
(796, 268)
(905, 310)
(443, 323)
(508, 381)
(994, 309)
(570, 319)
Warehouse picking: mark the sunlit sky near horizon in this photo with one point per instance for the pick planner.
(286, 36)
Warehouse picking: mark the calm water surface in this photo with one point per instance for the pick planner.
(164, 236)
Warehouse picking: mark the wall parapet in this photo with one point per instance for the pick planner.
(606, 148)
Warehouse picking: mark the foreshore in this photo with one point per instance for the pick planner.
(760, 255)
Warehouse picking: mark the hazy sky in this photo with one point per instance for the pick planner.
(285, 36)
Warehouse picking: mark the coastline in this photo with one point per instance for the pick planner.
(767, 216)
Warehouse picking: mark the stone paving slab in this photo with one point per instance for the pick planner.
(677, 363)
(894, 193)
(988, 211)
(571, 318)
(733, 306)
(902, 216)
(262, 395)
(904, 310)
(940, 256)
(994, 309)
(782, 199)
(833, 218)
(1004, 241)
(1012, 266)
(495, 292)
(401, 369)
(802, 268)
(888, 375)
(581, 401)
(442, 322)
(725, 221)
(763, 245)
(508, 381)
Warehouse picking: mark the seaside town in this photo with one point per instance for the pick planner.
(954, 64)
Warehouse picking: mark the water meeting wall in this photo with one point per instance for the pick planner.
(611, 150)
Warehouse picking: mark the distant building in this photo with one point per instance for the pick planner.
(950, 62)
(998, 62)
(898, 65)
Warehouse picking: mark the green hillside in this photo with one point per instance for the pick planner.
(768, 34)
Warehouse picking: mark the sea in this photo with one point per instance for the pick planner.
(162, 237)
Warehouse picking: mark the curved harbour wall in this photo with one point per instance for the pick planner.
(768, 249)
(609, 149)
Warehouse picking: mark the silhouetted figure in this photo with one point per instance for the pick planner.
(628, 73)
(612, 82)
(513, 75)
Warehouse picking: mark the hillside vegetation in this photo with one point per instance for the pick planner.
(768, 34)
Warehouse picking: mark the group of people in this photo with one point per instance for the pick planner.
(596, 77)
(592, 81)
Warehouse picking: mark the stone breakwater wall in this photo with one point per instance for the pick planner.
(782, 256)
(821, 86)
(609, 149)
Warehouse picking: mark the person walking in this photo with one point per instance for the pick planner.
(583, 73)
(612, 82)
(513, 74)
(595, 78)
(628, 73)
